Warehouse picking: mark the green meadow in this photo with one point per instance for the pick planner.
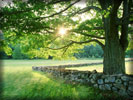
(21, 83)
(99, 68)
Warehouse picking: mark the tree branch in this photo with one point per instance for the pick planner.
(85, 10)
(97, 28)
(93, 40)
(65, 50)
(75, 42)
(124, 27)
(61, 47)
(93, 36)
(90, 35)
(59, 11)
(58, 1)
(120, 21)
(30, 9)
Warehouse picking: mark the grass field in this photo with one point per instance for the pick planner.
(21, 83)
(99, 68)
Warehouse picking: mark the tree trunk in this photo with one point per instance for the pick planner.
(114, 54)
(114, 62)
(114, 57)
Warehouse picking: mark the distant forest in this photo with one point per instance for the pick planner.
(89, 51)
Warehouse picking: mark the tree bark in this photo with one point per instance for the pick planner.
(114, 53)
(114, 56)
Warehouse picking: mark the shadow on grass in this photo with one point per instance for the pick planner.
(37, 98)
(104, 97)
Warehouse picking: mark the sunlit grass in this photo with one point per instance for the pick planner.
(21, 83)
(99, 68)
(27, 63)
(31, 85)
(129, 67)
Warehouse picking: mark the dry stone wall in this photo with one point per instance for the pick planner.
(120, 83)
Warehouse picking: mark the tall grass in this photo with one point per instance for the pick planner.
(21, 83)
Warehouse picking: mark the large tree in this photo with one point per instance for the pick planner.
(115, 44)
(37, 23)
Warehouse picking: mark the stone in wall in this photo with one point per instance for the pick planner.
(108, 86)
(130, 93)
(92, 81)
(111, 79)
(119, 86)
(108, 78)
(123, 92)
(125, 83)
(94, 71)
(95, 76)
(100, 81)
(125, 78)
(95, 85)
(87, 81)
(114, 89)
(130, 88)
(102, 87)
(118, 81)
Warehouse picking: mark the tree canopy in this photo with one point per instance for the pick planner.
(36, 24)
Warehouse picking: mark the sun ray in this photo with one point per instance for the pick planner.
(62, 31)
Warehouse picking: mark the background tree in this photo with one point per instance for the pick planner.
(90, 51)
(17, 53)
(36, 24)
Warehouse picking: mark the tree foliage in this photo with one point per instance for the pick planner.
(17, 53)
(90, 51)
(35, 24)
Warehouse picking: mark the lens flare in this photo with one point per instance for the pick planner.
(62, 31)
